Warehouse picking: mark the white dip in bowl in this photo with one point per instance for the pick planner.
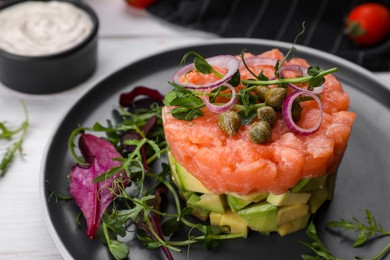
(38, 28)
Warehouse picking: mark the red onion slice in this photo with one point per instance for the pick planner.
(302, 72)
(224, 107)
(231, 63)
(287, 114)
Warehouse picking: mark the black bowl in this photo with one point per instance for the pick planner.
(55, 72)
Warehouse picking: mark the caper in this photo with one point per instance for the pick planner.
(274, 98)
(268, 114)
(296, 110)
(260, 92)
(229, 122)
(260, 132)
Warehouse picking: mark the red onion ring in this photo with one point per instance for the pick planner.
(224, 107)
(302, 72)
(226, 61)
(287, 114)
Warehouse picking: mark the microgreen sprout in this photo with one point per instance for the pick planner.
(12, 145)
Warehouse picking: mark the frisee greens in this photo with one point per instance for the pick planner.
(12, 146)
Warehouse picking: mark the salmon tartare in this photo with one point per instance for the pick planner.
(234, 178)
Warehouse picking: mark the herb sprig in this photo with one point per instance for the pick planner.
(13, 146)
(368, 231)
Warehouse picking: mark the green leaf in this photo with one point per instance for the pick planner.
(14, 146)
(202, 66)
(316, 245)
(187, 101)
(114, 225)
(189, 115)
(315, 82)
(365, 231)
(236, 79)
(172, 95)
(119, 249)
(261, 76)
(247, 119)
(361, 239)
(170, 226)
(314, 71)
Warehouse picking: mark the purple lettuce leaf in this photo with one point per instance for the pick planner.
(93, 198)
(127, 99)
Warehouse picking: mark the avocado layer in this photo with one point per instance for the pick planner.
(263, 212)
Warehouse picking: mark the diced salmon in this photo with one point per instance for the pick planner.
(234, 164)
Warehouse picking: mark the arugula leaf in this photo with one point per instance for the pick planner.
(316, 245)
(365, 231)
(13, 146)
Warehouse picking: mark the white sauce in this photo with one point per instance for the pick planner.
(37, 28)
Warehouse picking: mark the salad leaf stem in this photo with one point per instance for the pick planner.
(11, 150)
(304, 79)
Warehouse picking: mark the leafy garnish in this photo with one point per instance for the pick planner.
(12, 146)
(316, 81)
(187, 103)
(316, 245)
(201, 64)
(366, 231)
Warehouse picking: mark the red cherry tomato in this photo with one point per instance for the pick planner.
(368, 23)
(140, 3)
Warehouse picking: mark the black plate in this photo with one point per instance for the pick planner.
(362, 182)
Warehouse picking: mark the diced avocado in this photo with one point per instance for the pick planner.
(174, 176)
(261, 217)
(330, 185)
(215, 218)
(318, 197)
(235, 203)
(213, 202)
(199, 212)
(185, 195)
(189, 182)
(235, 222)
(289, 213)
(308, 184)
(294, 225)
(253, 197)
(288, 198)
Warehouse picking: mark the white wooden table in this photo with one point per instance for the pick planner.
(126, 35)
